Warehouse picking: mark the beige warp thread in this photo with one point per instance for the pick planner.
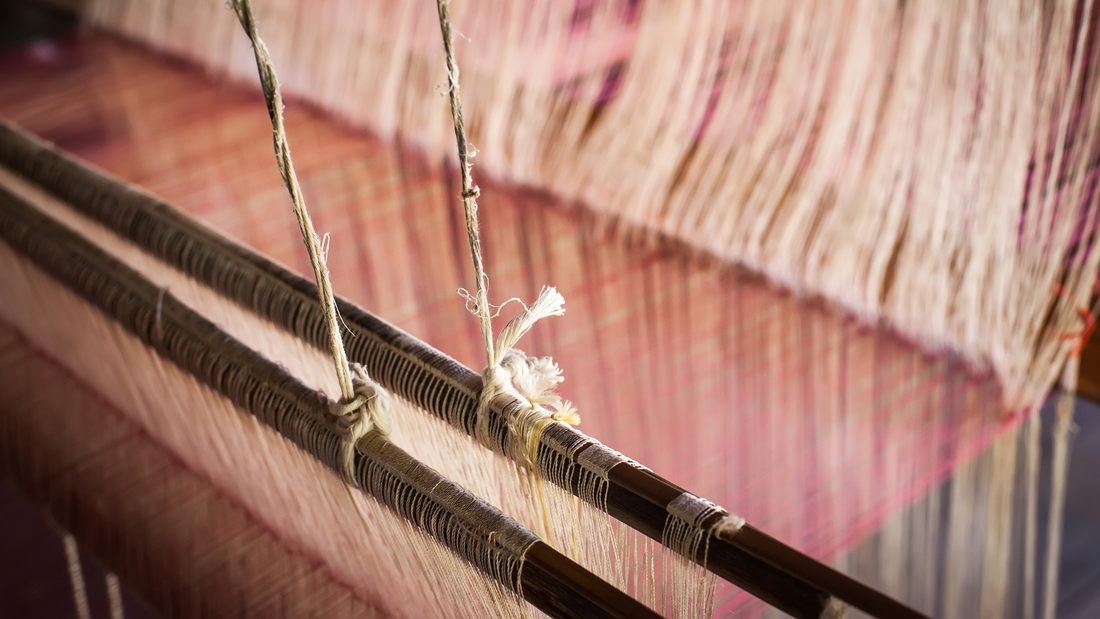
(76, 577)
(688, 529)
(508, 370)
(80, 589)
(1063, 434)
(114, 596)
(364, 404)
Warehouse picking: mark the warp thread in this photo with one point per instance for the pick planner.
(688, 528)
(532, 379)
(76, 577)
(114, 596)
(1063, 434)
(80, 589)
(1064, 429)
(364, 403)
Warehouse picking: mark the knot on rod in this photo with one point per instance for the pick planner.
(368, 411)
(532, 380)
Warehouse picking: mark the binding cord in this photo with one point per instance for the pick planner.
(508, 370)
(364, 404)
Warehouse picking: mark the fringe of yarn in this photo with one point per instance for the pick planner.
(930, 167)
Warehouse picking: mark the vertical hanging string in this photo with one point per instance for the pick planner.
(533, 379)
(1063, 431)
(470, 191)
(76, 577)
(506, 370)
(364, 405)
(114, 596)
(1031, 513)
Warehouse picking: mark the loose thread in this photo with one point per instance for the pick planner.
(364, 403)
(533, 379)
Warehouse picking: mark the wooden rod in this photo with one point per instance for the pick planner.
(545, 568)
(793, 582)
(555, 584)
(640, 499)
(844, 587)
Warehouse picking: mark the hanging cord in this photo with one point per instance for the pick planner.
(507, 370)
(364, 404)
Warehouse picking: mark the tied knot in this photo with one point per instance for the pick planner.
(474, 192)
(531, 380)
(535, 379)
(495, 379)
(369, 410)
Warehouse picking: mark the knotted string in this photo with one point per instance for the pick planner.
(364, 404)
(368, 410)
(531, 379)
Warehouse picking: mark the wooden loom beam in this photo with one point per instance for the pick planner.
(772, 571)
(792, 581)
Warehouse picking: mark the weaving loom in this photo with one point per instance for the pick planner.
(710, 377)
